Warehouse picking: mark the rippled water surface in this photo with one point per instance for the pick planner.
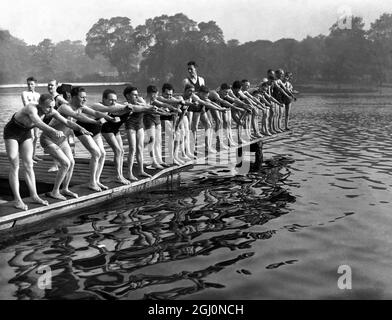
(321, 200)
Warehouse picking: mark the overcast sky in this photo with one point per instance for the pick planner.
(245, 20)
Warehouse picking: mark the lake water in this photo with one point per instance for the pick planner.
(322, 200)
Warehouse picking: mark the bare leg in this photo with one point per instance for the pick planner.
(101, 162)
(26, 152)
(131, 135)
(139, 152)
(152, 147)
(65, 190)
(287, 114)
(91, 146)
(64, 163)
(158, 144)
(35, 133)
(12, 148)
(115, 142)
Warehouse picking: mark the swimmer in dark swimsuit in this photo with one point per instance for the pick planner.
(61, 152)
(18, 141)
(135, 131)
(153, 126)
(93, 144)
(111, 130)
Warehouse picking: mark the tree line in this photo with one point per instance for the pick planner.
(158, 51)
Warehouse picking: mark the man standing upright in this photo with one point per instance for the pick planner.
(197, 82)
(31, 96)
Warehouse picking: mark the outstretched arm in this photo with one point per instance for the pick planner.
(97, 114)
(36, 120)
(67, 111)
(69, 123)
(116, 109)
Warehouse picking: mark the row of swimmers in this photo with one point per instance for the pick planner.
(256, 112)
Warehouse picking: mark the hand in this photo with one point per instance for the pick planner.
(85, 132)
(59, 134)
(129, 107)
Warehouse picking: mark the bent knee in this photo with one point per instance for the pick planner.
(65, 163)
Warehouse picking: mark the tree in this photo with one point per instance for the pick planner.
(380, 35)
(347, 52)
(72, 63)
(14, 58)
(43, 59)
(114, 39)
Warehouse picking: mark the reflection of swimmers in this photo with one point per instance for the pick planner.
(18, 140)
(31, 96)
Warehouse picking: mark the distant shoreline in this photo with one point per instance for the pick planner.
(84, 84)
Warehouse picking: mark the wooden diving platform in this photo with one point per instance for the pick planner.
(13, 220)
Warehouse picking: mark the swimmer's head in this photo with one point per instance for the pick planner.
(79, 96)
(192, 68)
(152, 91)
(189, 89)
(167, 91)
(109, 97)
(45, 103)
(203, 92)
(131, 94)
(236, 86)
(245, 85)
(224, 89)
(31, 83)
(279, 73)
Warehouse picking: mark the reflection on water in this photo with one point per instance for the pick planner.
(104, 255)
(322, 199)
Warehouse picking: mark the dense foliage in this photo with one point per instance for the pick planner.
(158, 51)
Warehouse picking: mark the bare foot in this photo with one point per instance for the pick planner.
(156, 166)
(55, 195)
(69, 193)
(144, 174)
(53, 168)
(212, 150)
(232, 143)
(224, 147)
(94, 187)
(165, 165)
(102, 186)
(191, 156)
(122, 180)
(186, 159)
(35, 158)
(21, 205)
(133, 178)
(40, 201)
(177, 162)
